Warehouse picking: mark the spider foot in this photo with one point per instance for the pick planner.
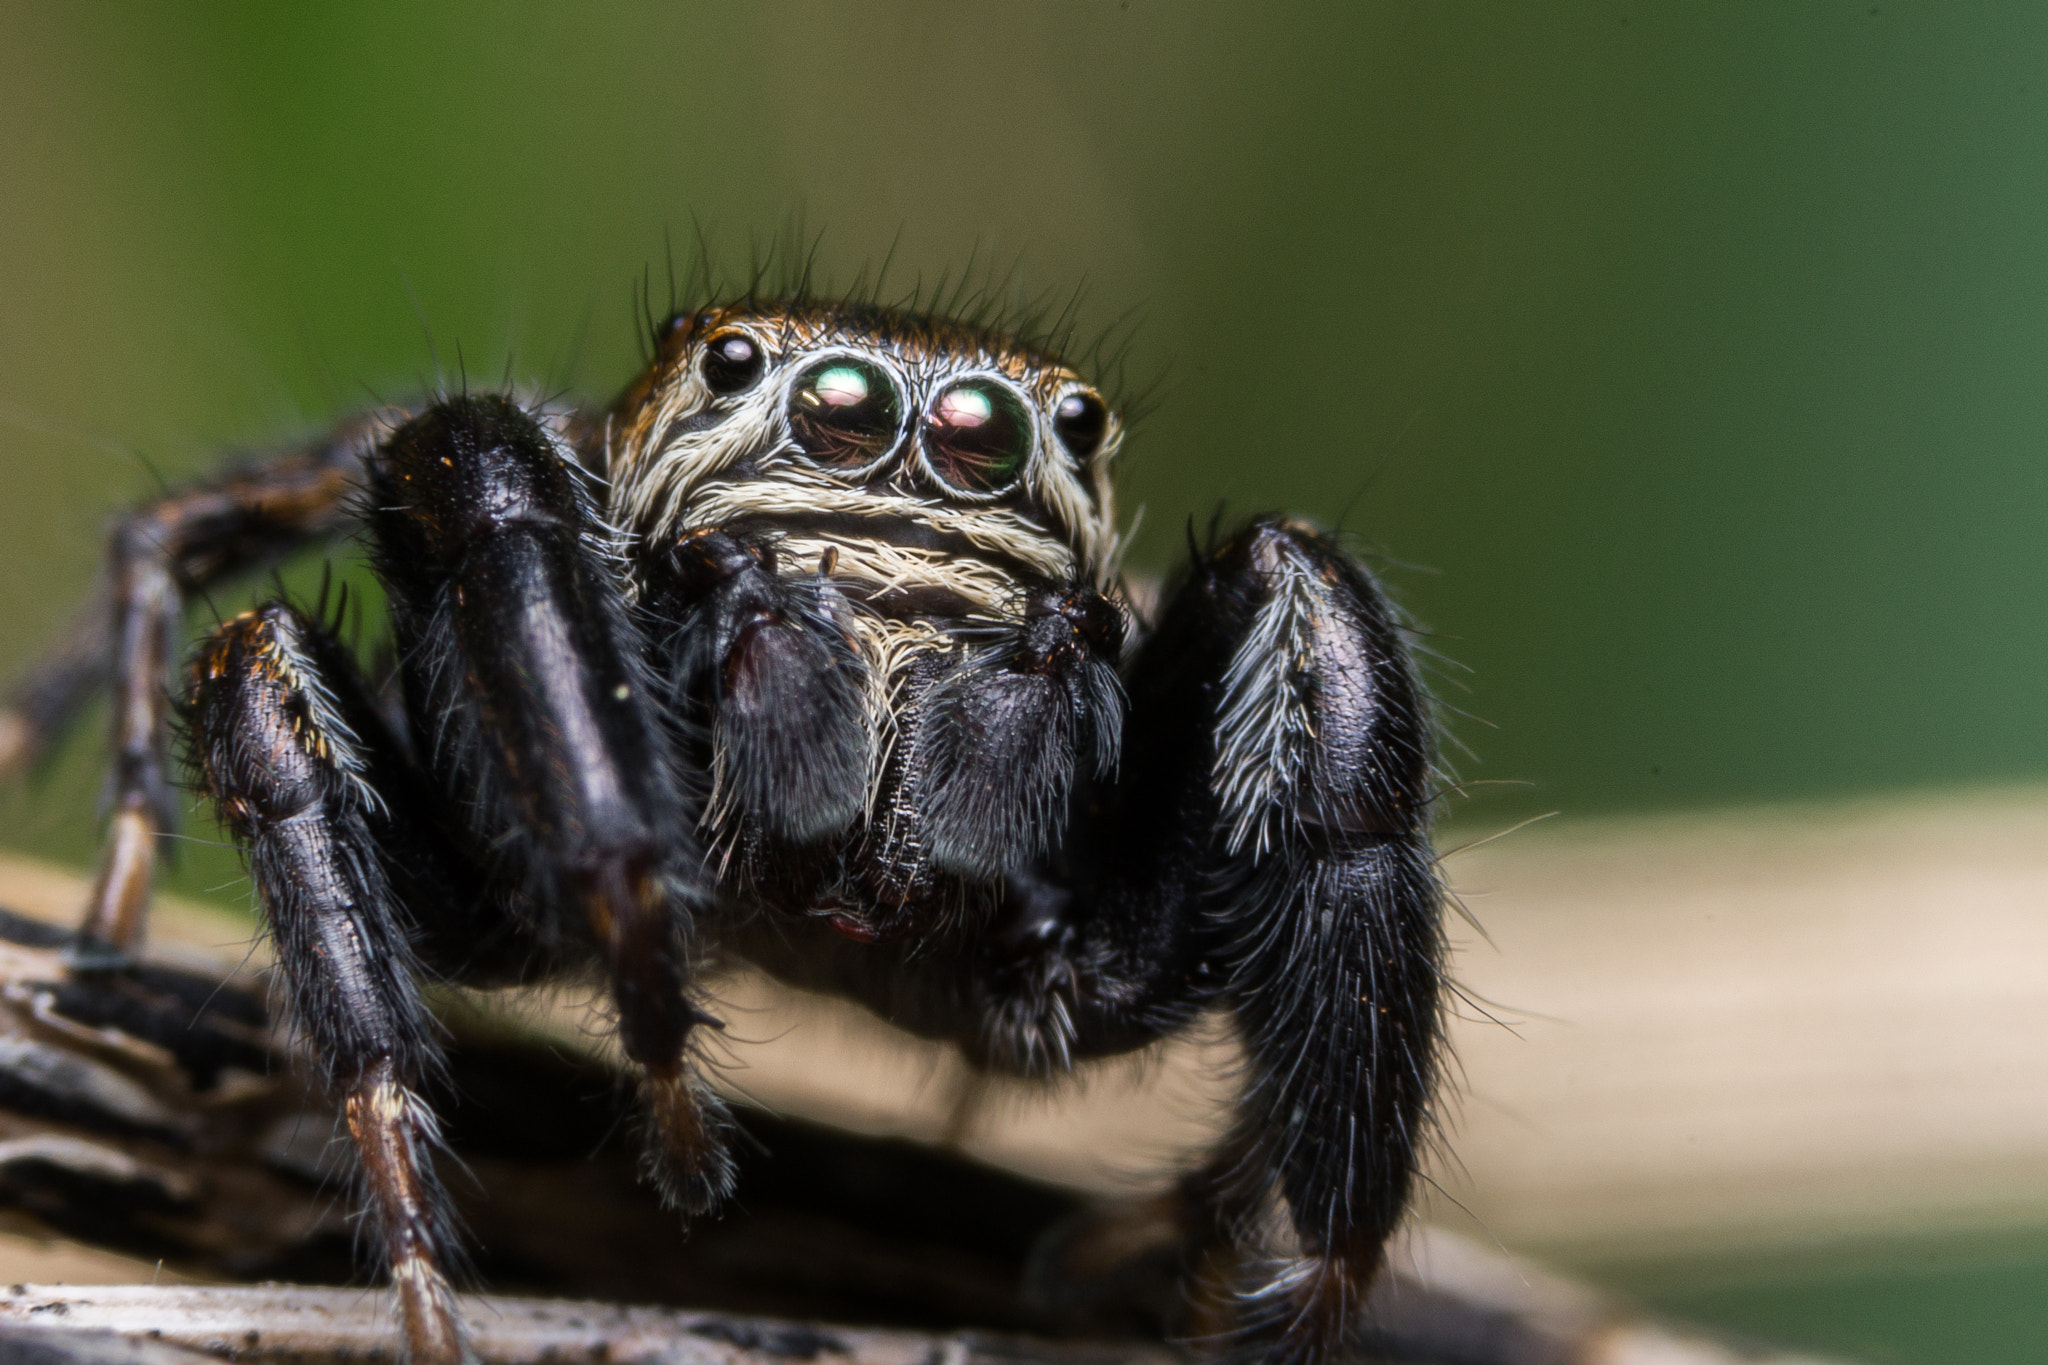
(688, 1157)
(394, 1134)
(1033, 993)
(1298, 1310)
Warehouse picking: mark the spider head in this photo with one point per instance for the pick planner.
(867, 428)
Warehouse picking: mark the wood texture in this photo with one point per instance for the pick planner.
(146, 1326)
(198, 1144)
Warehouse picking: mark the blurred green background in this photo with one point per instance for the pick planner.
(1685, 359)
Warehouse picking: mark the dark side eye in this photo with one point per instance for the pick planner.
(1080, 421)
(977, 436)
(732, 363)
(844, 412)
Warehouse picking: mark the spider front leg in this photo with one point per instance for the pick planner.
(1323, 914)
(529, 684)
(157, 556)
(1265, 848)
(288, 747)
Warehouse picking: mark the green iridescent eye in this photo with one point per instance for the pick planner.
(977, 436)
(844, 412)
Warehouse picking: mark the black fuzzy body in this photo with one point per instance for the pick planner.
(876, 734)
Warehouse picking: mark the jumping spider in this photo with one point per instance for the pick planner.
(810, 650)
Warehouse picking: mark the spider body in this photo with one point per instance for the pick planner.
(811, 650)
(896, 616)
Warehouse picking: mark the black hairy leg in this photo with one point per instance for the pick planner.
(284, 742)
(528, 683)
(157, 556)
(1264, 848)
(1322, 912)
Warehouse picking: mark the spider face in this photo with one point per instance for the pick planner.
(810, 650)
(934, 503)
(913, 453)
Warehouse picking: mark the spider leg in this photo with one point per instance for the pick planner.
(285, 743)
(1323, 916)
(1264, 848)
(157, 556)
(40, 703)
(530, 690)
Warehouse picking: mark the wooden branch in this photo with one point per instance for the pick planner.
(1538, 1322)
(156, 1112)
(342, 1326)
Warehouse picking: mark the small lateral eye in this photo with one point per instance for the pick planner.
(977, 436)
(1080, 421)
(732, 363)
(844, 412)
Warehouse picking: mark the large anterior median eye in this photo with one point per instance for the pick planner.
(844, 412)
(977, 436)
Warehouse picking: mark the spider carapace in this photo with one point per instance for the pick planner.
(810, 650)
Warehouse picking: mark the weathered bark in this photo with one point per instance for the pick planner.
(342, 1326)
(156, 1112)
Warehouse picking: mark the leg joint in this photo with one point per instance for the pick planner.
(468, 465)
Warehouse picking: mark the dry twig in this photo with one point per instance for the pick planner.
(156, 1112)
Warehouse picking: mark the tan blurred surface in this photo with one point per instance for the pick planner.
(1760, 1030)
(1754, 1031)
(30, 1257)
